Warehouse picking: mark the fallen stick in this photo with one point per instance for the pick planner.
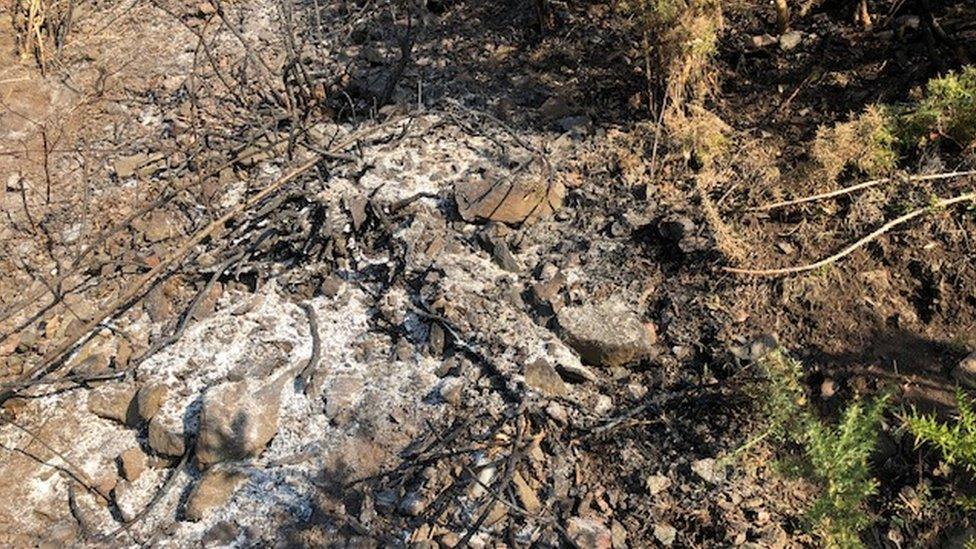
(854, 188)
(861, 242)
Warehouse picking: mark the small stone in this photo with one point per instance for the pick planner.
(206, 8)
(555, 108)
(636, 391)
(604, 404)
(166, 435)
(540, 375)
(150, 399)
(436, 340)
(223, 533)
(106, 482)
(340, 395)
(618, 534)
(570, 123)
(558, 412)
(502, 255)
(762, 41)
(665, 533)
(450, 390)
(116, 402)
(9, 345)
(965, 371)
(356, 206)
(132, 463)
(590, 533)
(526, 495)
(159, 227)
(237, 420)
(412, 505)
(709, 470)
(828, 388)
(568, 364)
(657, 484)
(142, 164)
(212, 491)
(606, 334)
(790, 40)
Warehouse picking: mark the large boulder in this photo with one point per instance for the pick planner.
(607, 333)
(238, 420)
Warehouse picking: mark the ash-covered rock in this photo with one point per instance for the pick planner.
(607, 333)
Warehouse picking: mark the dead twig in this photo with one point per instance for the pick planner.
(939, 204)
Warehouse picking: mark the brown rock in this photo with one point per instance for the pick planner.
(507, 201)
(9, 345)
(166, 435)
(526, 495)
(212, 491)
(132, 463)
(150, 399)
(238, 420)
(540, 375)
(606, 334)
(116, 402)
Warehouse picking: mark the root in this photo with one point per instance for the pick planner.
(858, 187)
(850, 249)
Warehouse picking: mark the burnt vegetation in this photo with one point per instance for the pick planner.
(592, 273)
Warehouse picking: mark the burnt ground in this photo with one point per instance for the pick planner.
(380, 221)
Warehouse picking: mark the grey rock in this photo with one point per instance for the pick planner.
(709, 470)
(568, 364)
(450, 390)
(965, 371)
(540, 375)
(340, 394)
(606, 334)
(237, 420)
(502, 255)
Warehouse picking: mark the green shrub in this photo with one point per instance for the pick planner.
(948, 110)
(835, 457)
(839, 460)
(955, 440)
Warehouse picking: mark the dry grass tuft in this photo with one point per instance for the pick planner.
(865, 143)
(41, 27)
